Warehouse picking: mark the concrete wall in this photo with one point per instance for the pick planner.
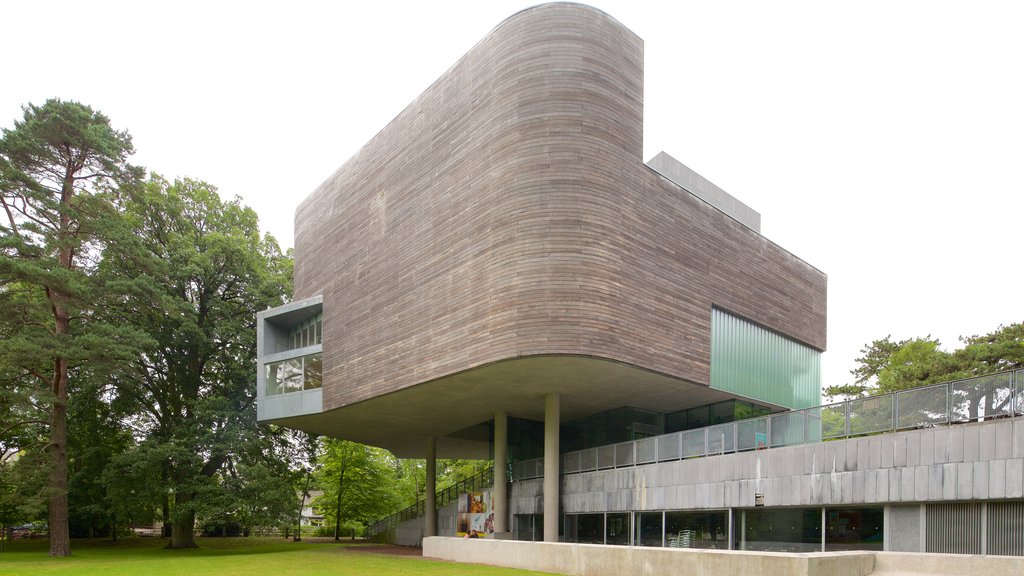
(977, 461)
(905, 564)
(595, 560)
(410, 532)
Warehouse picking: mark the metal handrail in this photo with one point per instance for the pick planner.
(443, 497)
(991, 396)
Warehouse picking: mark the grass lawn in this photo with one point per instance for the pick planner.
(225, 557)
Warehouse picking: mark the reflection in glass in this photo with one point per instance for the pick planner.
(291, 375)
(273, 381)
(313, 370)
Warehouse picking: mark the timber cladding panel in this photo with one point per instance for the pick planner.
(507, 212)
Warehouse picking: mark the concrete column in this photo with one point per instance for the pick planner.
(499, 502)
(430, 514)
(551, 461)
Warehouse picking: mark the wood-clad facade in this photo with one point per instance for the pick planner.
(507, 213)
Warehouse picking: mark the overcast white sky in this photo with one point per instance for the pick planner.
(881, 141)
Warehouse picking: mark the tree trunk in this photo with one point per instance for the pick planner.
(183, 527)
(337, 512)
(165, 509)
(302, 503)
(57, 483)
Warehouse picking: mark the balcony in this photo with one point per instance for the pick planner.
(289, 371)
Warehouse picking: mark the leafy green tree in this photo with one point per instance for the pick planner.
(191, 392)
(21, 474)
(262, 493)
(62, 170)
(358, 483)
(96, 436)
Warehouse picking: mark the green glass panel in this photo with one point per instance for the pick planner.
(751, 361)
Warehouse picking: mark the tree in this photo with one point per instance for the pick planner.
(191, 391)
(887, 366)
(97, 436)
(997, 351)
(358, 483)
(62, 168)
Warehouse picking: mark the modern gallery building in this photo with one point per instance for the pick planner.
(498, 274)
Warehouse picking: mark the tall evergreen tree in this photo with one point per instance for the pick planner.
(62, 170)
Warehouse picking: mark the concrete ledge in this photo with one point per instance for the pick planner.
(910, 564)
(598, 560)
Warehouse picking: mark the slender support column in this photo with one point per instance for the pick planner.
(499, 503)
(430, 512)
(551, 461)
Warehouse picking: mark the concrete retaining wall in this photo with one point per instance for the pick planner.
(907, 564)
(410, 532)
(596, 560)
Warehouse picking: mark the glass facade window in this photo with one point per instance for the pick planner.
(529, 527)
(307, 333)
(708, 530)
(648, 529)
(617, 529)
(294, 375)
(584, 528)
(312, 371)
(611, 427)
(755, 362)
(853, 529)
(779, 529)
(712, 414)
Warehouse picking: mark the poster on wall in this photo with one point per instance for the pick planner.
(475, 518)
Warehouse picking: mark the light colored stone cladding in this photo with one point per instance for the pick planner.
(969, 462)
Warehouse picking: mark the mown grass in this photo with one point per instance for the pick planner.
(226, 557)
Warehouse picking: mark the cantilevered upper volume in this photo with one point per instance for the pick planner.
(502, 239)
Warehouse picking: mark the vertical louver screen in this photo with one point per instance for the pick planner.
(953, 529)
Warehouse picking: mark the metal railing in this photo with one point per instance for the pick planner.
(475, 483)
(981, 398)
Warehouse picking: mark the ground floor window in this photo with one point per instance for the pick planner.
(779, 529)
(761, 529)
(649, 529)
(617, 529)
(697, 529)
(853, 529)
(584, 528)
(529, 527)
